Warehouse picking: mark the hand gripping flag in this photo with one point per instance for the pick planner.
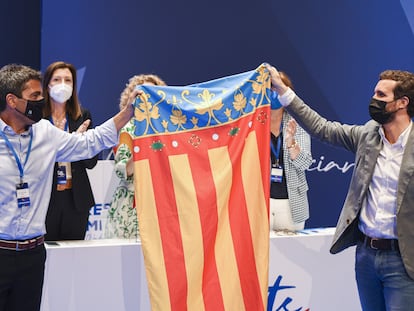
(201, 173)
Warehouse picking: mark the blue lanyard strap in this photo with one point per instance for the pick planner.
(276, 151)
(10, 146)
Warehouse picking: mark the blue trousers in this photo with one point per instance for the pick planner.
(383, 283)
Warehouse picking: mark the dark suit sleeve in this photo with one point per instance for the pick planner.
(88, 163)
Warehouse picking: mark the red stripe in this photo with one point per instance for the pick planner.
(242, 236)
(187, 141)
(170, 231)
(263, 142)
(240, 227)
(207, 202)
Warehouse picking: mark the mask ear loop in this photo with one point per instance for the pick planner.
(15, 106)
(406, 101)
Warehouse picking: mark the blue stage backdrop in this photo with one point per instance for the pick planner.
(20, 32)
(333, 51)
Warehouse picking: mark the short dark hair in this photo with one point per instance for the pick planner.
(13, 79)
(404, 87)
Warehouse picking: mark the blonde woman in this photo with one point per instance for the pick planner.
(122, 221)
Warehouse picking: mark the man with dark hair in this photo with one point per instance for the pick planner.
(378, 213)
(29, 145)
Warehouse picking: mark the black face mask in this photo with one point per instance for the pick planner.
(378, 113)
(34, 109)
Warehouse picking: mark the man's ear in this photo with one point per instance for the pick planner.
(11, 100)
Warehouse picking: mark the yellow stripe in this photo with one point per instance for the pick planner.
(190, 227)
(149, 227)
(257, 211)
(225, 256)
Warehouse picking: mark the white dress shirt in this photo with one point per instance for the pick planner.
(379, 211)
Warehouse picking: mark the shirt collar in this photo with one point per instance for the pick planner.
(402, 139)
(5, 128)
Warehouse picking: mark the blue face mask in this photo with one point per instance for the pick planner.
(274, 101)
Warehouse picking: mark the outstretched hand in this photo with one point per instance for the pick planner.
(84, 126)
(277, 84)
(129, 107)
(127, 112)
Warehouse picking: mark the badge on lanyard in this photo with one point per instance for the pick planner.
(23, 194)
(61, 175)
(277, 174)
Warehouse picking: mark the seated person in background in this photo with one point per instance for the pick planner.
(122, 221)
(71, 197)
(290, 157)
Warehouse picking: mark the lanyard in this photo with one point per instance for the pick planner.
(276, 151)
(66, 123)
(10, 146)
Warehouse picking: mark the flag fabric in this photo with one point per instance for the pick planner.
(202, 182)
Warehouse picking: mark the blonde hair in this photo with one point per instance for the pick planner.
(133, 82)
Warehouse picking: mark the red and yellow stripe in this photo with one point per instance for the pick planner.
(203, 213)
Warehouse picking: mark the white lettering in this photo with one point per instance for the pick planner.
(321, 166)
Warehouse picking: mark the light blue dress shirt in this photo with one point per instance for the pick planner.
(49, 145)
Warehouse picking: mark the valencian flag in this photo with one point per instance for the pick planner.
(202, 182)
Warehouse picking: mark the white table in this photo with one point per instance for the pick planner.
(109, 275)
(322, 281)
(95, 275)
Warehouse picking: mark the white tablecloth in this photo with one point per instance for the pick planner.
(108, 275)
